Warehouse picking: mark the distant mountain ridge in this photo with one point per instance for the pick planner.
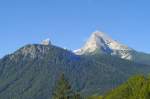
(99, 42)
(31, 72)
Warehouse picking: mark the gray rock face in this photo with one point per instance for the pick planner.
(32, 51)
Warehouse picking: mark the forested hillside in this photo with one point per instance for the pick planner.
(33, 71)
(137, 87)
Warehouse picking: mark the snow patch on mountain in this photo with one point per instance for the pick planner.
(46, 42)
(101, 42)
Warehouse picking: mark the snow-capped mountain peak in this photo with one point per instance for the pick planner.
(100, 42)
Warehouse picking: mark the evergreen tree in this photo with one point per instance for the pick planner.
(63, 90)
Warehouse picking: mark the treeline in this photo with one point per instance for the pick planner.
(137, 87)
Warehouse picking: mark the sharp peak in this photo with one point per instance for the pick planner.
(99, 34)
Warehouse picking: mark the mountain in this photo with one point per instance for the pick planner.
(32, 71)
(99, 42)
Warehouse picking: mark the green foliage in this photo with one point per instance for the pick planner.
(137, 87)
(63, 90)
(95, 97)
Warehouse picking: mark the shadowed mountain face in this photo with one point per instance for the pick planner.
(32, 71)
(99, 42)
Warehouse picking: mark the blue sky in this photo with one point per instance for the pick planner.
(68, 23)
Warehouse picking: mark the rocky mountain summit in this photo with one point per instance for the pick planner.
(46, 42)
(101, 43)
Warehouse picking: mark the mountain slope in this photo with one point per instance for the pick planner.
(31, 72)
(99, 42)
(136, 87)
